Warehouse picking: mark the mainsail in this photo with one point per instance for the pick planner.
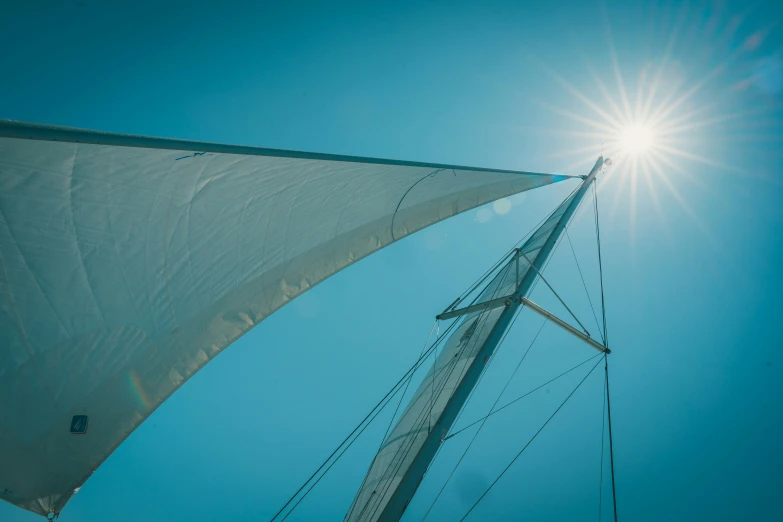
(127, 263)
(410, 447)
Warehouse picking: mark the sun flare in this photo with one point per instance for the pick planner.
(686, 102)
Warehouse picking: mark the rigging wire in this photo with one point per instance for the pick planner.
(601, 472)
(410, 378)
(600, 263)
(606, 343)
(391, 421)
(331, 464)
(462, 410)
(553, 291)
(420, 361)
(550, 381)
(505, 256)
(418, 422)
(381, 404)
(475, 435)
(529, 442)
(483, 419)
(611, 448)
(603, 335)
(470, 396)
(472, 288)
(406, 446)
(584, 285)
(434, 364)
(532, 288)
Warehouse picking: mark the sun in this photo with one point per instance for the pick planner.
(683, 106)
(636, 139)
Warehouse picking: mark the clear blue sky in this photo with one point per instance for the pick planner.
(692, 252)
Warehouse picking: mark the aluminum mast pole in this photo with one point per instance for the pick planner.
(412, 478)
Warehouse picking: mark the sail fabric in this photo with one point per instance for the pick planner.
(128, 263)
(423, 413)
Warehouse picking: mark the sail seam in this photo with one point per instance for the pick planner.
(403, 197)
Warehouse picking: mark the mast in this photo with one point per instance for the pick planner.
(410, 481)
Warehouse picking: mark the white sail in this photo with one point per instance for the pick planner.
(128, 263)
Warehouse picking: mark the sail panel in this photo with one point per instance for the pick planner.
(127, 264)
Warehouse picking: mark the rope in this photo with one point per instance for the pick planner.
(584, 285)
(606, 343)
(475, 435)
(611, 447)
(434, 365)
(470, 396)
(406, 447)
(391, 421)
(553, 291)
(382, 403)
(600, 264)
(601, 473)
(550, 381)
(529, 442)
(504, 257)
(417, 424)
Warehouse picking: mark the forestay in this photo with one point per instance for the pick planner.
(128, 263)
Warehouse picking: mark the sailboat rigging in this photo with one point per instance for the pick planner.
(128, 227)
(408, 449)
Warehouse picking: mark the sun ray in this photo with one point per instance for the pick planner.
(619, 114)
(576, 117)
(578, 161)
(680, 129)
(615, 65)
(664, 119)
(708, 233)
(701, 159)
(593, 148)
(667, 108)
(680, 171)
(632, 199)
(584, 99)
(598, 136)
(623, 180)
(674, 36)
(640, 84)
(754, 138)
(653, 191)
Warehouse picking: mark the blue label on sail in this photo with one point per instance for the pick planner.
(79, 424)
